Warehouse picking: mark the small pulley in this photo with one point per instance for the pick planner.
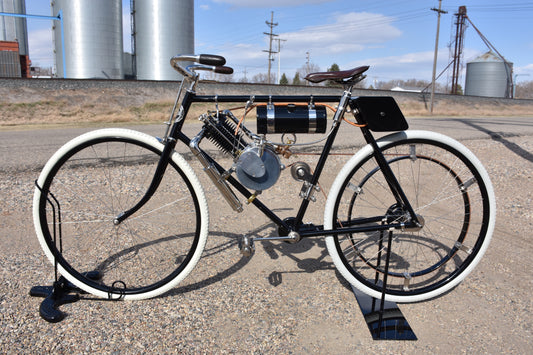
(301, 171)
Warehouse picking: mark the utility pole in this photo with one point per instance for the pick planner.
(439, 12)
(307, 56)
(460, 24)
(279, 57)
(271, 24)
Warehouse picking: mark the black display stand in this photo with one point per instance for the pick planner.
(62, 292)
(384, 319)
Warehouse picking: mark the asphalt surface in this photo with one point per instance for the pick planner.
(30, 149)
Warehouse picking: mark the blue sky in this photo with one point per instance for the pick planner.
(395, 37)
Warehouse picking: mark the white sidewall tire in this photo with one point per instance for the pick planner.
(151, 141)
(363, 154)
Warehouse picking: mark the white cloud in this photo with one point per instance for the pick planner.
(327, 43)
(126, 30)
(41, 47)
(351, 32)
(415, 65)
(204, 7)
(270, 3)
(524, 73)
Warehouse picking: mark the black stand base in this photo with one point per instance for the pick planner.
(62, 292)
(54, 296)
(385, 321)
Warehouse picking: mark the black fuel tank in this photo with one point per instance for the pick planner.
(291, 119)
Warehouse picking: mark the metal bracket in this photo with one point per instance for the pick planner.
(308, 190)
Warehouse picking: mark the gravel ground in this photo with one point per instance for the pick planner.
(287, 298)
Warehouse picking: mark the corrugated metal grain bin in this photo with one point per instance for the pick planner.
(163, 29)
(488, 75)
(14, 28)
(93, 38)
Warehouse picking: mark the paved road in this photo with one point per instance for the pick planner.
(30, 149)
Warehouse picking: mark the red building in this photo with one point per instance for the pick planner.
(12, 64)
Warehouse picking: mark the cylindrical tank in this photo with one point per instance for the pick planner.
(163, 29)
(488, 75)
(93, 38)
(14, 28)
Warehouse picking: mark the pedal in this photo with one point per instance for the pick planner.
(246, 246)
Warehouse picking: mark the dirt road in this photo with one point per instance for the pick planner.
(287, 298)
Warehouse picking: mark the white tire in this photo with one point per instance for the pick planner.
(87, 237)
(459, 196)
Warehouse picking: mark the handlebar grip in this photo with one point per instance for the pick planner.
(223, 70)
(211, 59)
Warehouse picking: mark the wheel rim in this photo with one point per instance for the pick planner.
(140, 255)
(354, 250)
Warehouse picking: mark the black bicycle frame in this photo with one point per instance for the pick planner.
(296, 225)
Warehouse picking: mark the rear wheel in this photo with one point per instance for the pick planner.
(452, 197)
(87, 184)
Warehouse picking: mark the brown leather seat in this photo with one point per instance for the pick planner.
(344, 75)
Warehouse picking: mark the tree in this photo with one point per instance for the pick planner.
(524, 90)
(306, 69)
(329, 83)
(284, 80)
(334, 67)
(296, 80)
(262, 78)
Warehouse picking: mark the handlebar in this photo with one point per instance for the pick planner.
(210, 62)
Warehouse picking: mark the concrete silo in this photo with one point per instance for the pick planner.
(488, 75)
(163, 29)
(93, 38)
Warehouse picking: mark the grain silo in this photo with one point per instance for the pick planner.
(14, 28)
(92, 37)
(163, 29)
(488, 75)
(14, 54)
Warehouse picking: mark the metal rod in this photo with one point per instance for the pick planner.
(266, 98)
(59, 18)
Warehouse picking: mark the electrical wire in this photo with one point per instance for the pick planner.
(296, 104)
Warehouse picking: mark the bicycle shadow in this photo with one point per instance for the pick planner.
(273, 249)
(292, 251)
(397, 261)
(218, 248)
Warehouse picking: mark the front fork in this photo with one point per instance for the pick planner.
(158, 176)
(170, 143)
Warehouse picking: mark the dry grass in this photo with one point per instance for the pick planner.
(30, 107)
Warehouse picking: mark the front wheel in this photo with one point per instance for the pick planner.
(87, 184)
(452, 197)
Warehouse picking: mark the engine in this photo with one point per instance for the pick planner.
(256, 164)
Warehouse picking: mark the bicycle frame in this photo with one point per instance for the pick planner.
(296, 228)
